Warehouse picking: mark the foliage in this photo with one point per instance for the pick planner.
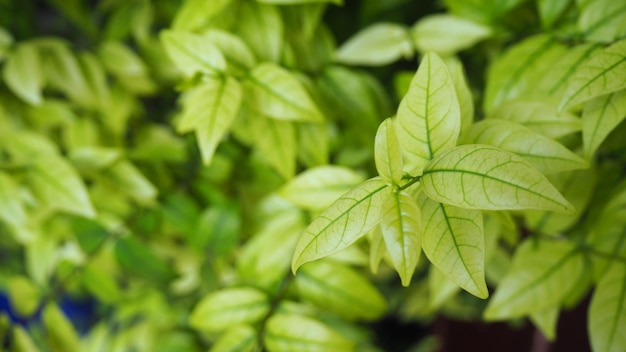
(221, 175)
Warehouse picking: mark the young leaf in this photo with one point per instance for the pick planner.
(61, 334)
(342, 223)
(22, 341)
(540, 116)
(387, 153)
(377, 247)
(540, 277)
(600, 116)
(238, 55)
(607, 312)
(376, 45)
(517, 71)
(22, 73)
(447, 34)
(402, 231)
(313, 143)
(602, 74)
(555, 81)
(210, 110)
(477, 176)
(229, 307)
(454, 241)
(261, 27)
(463, 92)
(318, 187)
(275, 92)
(192, 53)
(603, 20)
(341, 290)
(291, 332)
(546, 321)
(550, 11)
(12, 209)
(193, 14)
(127, 177)
(545, 154)
(59, 186)
(276, 141)
(240, 338)
(428, 119)
(440, 288)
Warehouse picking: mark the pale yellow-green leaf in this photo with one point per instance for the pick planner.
(6, 40)
(193, 14)
(550, 11)
(24, 295)
(540, 277)
(463, 92)
(447, 34)
(454, 241)
(600, 116)
(428, 119)
(478, 176)
(607, 312)
(299, 2)
(58, 184)
(544, 153)
(60, 333)
(376, 45)
(192, 53)
(128, 68)
(313, 143)
(290, 332)
(91, 158)
(96, 79)
(546, 321)
(603, 20)
(377, 248)
(262, 28)
(238, 55)
(341, 290)
(12, 210)
(402, 231)
(97, 279)
(318, 187)
(387, 153)
(229, 307)
(578, 188)
(240, 338)
(602, 74)
(276, 93)
(276, 142)
(342, 223)
(22, 73)
(440, 288)
(540, 116)
(130, 180)
(517, 71)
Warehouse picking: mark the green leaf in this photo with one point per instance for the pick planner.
(477, 176)
(607, 312)
(229, 307)
(193, 14)
(550, 11)
(377, 248)
(12, 209)
(545, 154)
(578, 188)
(127, 177)
(137, 258)
(463, 92)
(447, 34)
(342, 223)
(21, 340)
(387, 153)
(210, 109)
(602, 74)
(276, 141)
(440, 288)
(261, 27)
(240, 338)
(276, 93)
(96, 79)
(6, 40)
(454, 241)
(600, 117)
(517, 71)
(429, 119)
(318, 187)
(341, 290)
(291, 332)
(127, 67)
(376, 45)
(218, 230)
(63, 71)
(402, 231)
(101, 283)
(61, 335)
(546, 321)
(192, 53)
(540, 116)
(540, 277)
(59, 186)
(603, 20)
(238, 55)
(23, 294)
(294, 2)
(313, 143)
(22, 73)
